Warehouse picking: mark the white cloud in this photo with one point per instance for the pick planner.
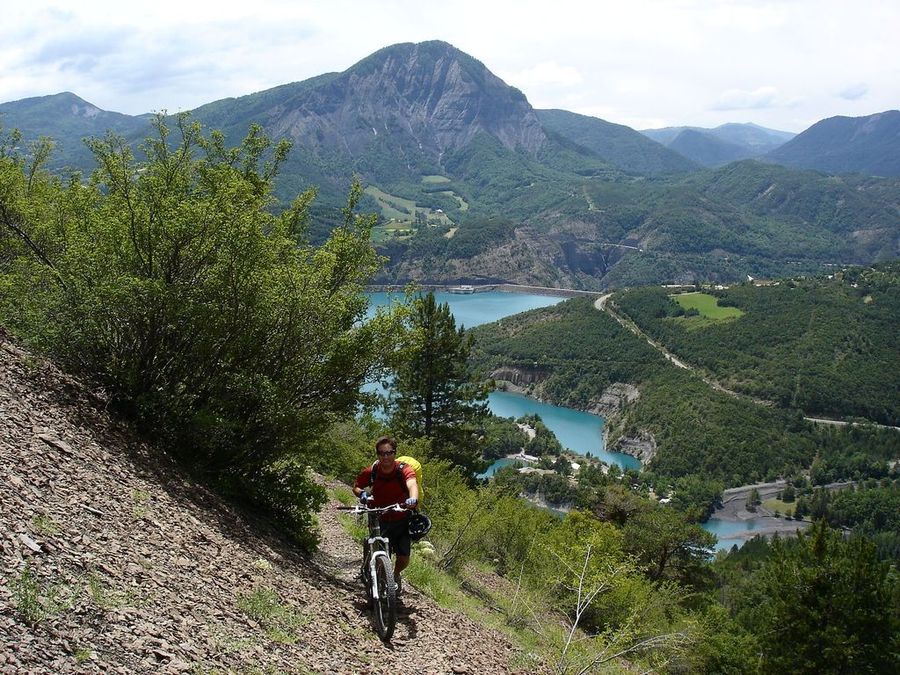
(672, 62)
(854, 92)
(547, 74)
(757, 99)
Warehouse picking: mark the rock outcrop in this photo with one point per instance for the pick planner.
(519, 379)
(643, 446)
(614, 399)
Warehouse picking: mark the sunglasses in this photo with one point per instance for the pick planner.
(387, 452)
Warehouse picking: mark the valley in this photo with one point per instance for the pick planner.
(199, 314)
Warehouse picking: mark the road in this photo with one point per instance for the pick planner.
(602, 303)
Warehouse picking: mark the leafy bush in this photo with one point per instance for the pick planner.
(212, 323)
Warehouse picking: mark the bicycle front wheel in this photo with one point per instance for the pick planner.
(385, 607)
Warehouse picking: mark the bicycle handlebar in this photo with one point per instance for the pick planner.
(359, 508)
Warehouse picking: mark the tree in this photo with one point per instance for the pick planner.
(835, 600)
(212, 323)
(753, 500)
(601, 593)
(667, 545)
(435, 392)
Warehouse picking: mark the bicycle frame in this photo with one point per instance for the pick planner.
(377, 567)
(377, 546)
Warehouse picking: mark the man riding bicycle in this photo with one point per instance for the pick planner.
(388, 482)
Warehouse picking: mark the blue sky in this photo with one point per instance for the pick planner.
(783, 64)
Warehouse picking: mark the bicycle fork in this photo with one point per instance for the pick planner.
(374, 554)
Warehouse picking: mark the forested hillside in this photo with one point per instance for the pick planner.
(828, 347)
(574, 351)
(868, 145)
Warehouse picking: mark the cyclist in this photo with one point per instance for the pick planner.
(385, 483)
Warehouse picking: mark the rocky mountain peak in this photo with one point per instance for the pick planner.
(446, 96)
(428, 96)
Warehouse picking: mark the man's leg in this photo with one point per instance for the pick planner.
(400, 565)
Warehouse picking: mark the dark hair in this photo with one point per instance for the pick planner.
(386, 439)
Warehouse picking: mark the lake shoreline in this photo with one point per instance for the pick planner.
(733, 514)
(487, 288)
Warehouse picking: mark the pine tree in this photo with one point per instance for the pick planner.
(436, 394)
(835, 596)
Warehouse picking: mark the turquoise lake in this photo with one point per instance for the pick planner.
(579, 431)
(725, 531)
(475, 309)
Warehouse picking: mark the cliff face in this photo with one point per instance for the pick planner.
(614, 399)
(426, 98)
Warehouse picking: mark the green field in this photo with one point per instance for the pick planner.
(401, 213)
(435, 179)
(707, 305)
(393, 207)
(394, 230)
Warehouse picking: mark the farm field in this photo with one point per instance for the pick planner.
(707, 305)
(400, 214)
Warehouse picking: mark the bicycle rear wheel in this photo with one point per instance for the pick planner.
(385, 607)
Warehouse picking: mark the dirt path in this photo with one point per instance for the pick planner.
(126, 566)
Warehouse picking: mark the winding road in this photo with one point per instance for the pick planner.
(604, 305)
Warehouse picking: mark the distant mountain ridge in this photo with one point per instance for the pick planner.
(622, 145)
(720, 145)
(869, 145)
(471, 183)
(67, 119)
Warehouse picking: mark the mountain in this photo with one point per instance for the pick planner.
(68, 120)
(869, 145)
(723, 144)
(624, 147)
(706, 149)
(472, 184)
(397, 115)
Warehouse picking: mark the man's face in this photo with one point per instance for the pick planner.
(386, 455)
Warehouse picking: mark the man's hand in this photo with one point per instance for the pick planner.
(411, 503)
(363, 497)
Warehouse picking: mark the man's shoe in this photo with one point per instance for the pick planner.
(399, 587)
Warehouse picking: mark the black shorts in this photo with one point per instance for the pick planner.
(397, 532)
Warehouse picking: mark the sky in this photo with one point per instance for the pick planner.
(783, 64)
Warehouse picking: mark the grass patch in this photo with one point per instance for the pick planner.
(45, 525)
(393, 207)
(83, 655)
(105, 597)
(35, 601)
(141, 508)
(279, 621)
(402, 214)
(344, 495)
(777, 506)
(707, 305)
(463, 204)
(434, 179)
(353, 526)
(507, 613)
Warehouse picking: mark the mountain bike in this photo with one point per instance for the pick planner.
(377, 570)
